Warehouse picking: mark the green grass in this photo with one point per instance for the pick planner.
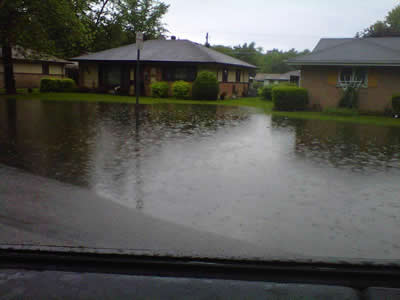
(266, 106)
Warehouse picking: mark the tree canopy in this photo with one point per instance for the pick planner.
(272, 61)
(68, 28)
(388, 27)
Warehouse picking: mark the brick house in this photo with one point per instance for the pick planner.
(162, 60)
(30, 67)
(373, 64)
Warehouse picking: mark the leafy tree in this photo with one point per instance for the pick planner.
(46, 26)
(67, 28)
(389, 27)
(115, 22)
(273, 61)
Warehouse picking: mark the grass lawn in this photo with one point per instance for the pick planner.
(266, 106)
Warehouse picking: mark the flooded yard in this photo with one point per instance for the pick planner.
(304, 187)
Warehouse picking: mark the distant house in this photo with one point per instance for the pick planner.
(162, 60)
(30, 67)
(371, 64)
(267, 79)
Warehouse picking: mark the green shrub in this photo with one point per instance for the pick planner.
(266, 91)
(181, 89)
(349, 98)
(206, 86)
(289, 98)
(57, 85)
(256, 85)
(160, 89)
(396, 103)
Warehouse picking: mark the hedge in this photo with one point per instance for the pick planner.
(57, 85)
(288, 98)
(181, 89)
(160, 89)
(266, 91)
(206, 86)
(396, 103)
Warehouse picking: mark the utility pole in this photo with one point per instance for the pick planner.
(139, 45)
(207, 44)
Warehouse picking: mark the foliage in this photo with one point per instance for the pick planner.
(273, 61)
(389, 27)
(56, 85)
(266, 91)
(181, 89)
(49, 26)
(115, 22)
(160, 89)
(288, 98)
(256, 85)
(206, 86)
(341, 111)
(396, 103)
(67, 28)
(349, 98)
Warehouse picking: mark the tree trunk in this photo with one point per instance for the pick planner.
(9, 81)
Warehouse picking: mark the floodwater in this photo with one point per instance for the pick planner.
(315, 188)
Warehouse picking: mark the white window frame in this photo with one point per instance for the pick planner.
(353, 75)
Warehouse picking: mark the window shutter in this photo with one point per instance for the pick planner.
(372, 79)
(332, 77)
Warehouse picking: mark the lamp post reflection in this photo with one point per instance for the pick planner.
(138, 175)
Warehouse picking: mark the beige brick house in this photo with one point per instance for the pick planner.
(30, 67)
(373, 64)
(162, 60)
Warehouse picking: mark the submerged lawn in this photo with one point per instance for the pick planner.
(266, 106)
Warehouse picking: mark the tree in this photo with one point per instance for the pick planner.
(45, 26)
(389, 27)
(275, 60)
(67, 28)
(115, 22)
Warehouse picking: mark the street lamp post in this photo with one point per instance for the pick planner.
(139, 45)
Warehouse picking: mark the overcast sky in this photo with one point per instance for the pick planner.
(281, 24)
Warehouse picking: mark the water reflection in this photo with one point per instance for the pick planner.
(360, 148)
(308, 185)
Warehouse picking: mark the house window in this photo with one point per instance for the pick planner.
(183, 73)
(45, 69)
(225, 75)
(354, 75)
(238, 73)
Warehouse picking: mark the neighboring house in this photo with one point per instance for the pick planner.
(290, 77)
(372, 64)
(30, 67)
(162, 60)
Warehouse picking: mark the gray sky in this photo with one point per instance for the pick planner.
(281, 24)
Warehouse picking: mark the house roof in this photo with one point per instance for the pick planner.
(19, 53)
(165, 51)
(285, 76)
(353, 51)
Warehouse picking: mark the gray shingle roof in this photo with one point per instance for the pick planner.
(284, 76)
(165, 51)
(19, 53)
(369, 51)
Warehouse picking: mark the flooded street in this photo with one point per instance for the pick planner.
(289, 187)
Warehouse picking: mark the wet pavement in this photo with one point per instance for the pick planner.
(238, 177)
